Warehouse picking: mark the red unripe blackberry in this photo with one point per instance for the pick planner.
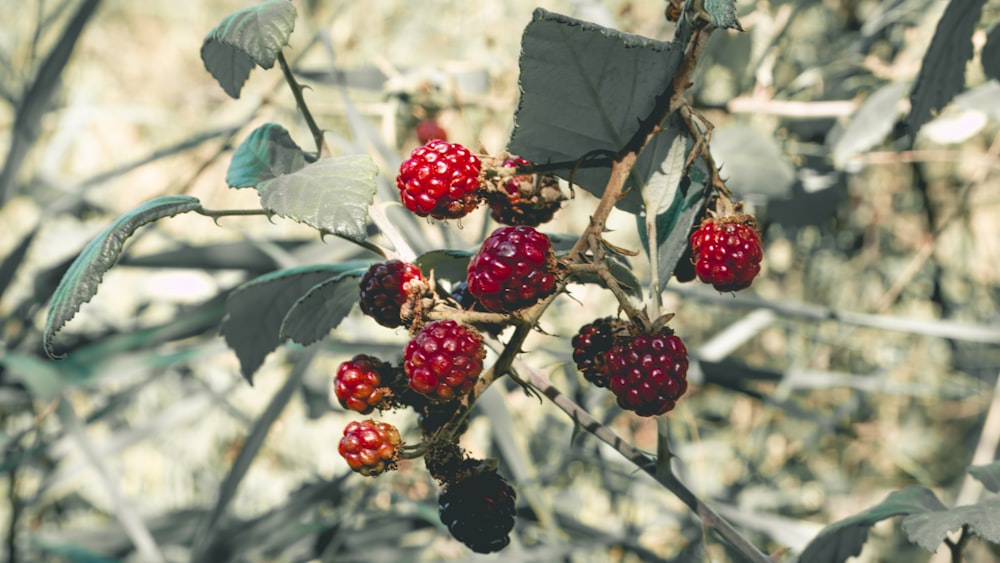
(444, 360)
(479, 511)
(361, 384)
(385, 287)
(428, 130)
(370, 447)
(648, 373)
(590, 346)
(518, 201)
(727, 252)
(440, 179)
(513, 269)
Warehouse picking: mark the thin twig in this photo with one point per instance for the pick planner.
(300, 101)
(709, 517)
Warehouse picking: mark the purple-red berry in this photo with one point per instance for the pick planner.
(444, 360)
(514, 269)
(727, 252)
(385, 287)
(590, 348)
(648, 373)
(361, 383)
(440, 179)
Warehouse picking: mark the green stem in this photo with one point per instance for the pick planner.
(216, 213)
(300, 101)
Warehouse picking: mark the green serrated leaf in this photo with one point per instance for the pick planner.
(928, 529)
(990, 55)
(844, 539)
(723, 14)
(267, 153)
(256, 310)
(244, 38)
(322, 309)
(614, 80)
(79, 284)
(942, 73)
(331, 195)
(988, 475)
(451, 265)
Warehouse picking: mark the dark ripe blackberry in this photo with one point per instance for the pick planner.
(479, 511)
(590, 346)
(385, 287)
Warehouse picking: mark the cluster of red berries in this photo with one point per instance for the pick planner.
(644, 364)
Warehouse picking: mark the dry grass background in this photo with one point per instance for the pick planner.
(851, 413)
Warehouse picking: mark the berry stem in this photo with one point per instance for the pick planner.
(300, 101)
(664, 476)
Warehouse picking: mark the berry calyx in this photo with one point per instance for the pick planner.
(523, 199)
(590, 347)
(514, 268)
(440, 179)
(361, 384)
(428, 130)
(444, 360)
(727, 252)
(385, 287)
(648, 372)
(370, 447)
(479, 511)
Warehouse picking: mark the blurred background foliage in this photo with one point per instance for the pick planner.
(864, 358)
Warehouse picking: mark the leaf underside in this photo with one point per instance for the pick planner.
(929, 529)
(79, 284)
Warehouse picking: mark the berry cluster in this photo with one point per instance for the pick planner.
(640, 361)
